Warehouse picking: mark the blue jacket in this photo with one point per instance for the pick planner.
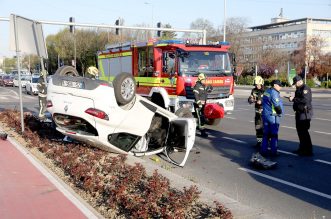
(272, 103)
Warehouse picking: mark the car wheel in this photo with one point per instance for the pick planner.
(184, 113)
(124, 88)
(66, 71)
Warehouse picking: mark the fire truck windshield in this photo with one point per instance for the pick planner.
(209, 63)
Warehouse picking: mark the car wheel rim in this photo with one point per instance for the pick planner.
(127, 89)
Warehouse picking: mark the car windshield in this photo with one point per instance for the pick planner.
(35, 80)
(209, 63)
(26, 78)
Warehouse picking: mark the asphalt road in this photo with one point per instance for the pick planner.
(300, 187)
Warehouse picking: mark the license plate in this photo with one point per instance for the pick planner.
(73, 84)
(212, 101)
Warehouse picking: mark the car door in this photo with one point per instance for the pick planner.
(181, 140)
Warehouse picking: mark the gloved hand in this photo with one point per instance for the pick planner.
(251, 99)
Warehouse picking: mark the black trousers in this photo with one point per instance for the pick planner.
(258, 127)
(200, 116)
(302, 127)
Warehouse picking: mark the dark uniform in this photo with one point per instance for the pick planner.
(255, 97)
(200, 95)
(303, 114)
(42, 95)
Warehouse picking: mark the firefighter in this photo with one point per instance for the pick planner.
(272, 110)
(200, 96)
(303, 115)
(256, 98)
(92, 72)
(42, 94)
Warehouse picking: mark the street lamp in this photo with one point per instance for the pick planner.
(224, 29)
(151, 4)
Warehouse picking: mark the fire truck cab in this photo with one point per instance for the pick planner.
(166, 70)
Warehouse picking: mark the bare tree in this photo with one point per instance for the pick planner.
(168, 34)
(202, 24)
(311, 54)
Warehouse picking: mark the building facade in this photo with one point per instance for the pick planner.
(284, 36)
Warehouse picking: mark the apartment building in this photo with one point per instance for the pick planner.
(284, 35)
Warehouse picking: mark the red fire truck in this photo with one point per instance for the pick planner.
(166, 71)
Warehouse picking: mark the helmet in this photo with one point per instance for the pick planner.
(93, 71)
(258, 80)
(201, 76)
(43, 73)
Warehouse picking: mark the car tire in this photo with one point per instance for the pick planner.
(184, 113)
(124, 88)
(66, 71)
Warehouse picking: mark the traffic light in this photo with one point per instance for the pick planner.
(72, 27)
(117, 22)
(159, 31)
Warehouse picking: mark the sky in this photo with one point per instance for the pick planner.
(177, 13)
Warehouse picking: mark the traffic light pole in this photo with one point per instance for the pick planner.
(203, 32)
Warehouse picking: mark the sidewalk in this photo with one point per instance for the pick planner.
(28, 190)
(245, 90)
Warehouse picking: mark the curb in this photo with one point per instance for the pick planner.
(207, 195)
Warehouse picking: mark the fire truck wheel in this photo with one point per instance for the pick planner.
(184, 113)
(124, 88)
(66, 71)
(213, 121)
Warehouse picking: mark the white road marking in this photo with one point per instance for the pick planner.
(326, 133)
(322, 119)
(323, 161)
(286, 152)
(252, 121)
(286, 183)
(236, 140)
(229, 117)
(288, 127)
(313, 118)
(242, 109)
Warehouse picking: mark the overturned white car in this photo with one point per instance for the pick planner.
(113, 117)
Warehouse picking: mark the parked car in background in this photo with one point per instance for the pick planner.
(24, 80)
(23, 72)
(6, 80)
(113, 117)
(31, 85)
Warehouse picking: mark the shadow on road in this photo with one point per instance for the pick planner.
(298, 176)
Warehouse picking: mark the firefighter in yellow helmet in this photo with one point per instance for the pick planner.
(200, 96)
(42, 94)
(256, 98)
(92, 72)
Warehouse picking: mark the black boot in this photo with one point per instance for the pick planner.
(204, 134)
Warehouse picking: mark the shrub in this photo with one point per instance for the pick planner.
(310, 83)
(326, 84)
(113, 184)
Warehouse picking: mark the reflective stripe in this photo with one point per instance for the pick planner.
(114, 55)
